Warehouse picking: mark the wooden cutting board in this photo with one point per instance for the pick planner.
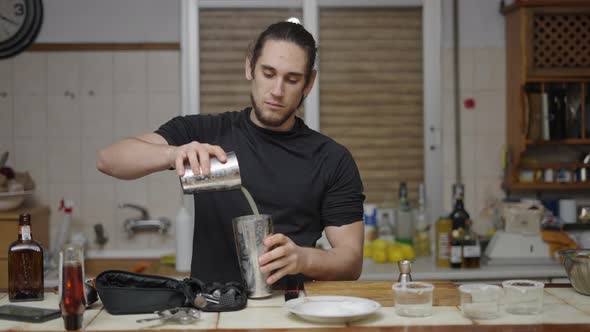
(446, 293)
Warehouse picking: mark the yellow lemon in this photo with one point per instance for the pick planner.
(379, 256)
(379, 244)
(408, 251)
(395, 254)
(367, 250)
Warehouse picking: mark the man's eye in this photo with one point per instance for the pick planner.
(292, 80)
(267, 74)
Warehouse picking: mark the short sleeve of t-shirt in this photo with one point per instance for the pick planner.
(343, 201)
(185, 129)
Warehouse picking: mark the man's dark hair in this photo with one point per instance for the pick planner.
(287, 31)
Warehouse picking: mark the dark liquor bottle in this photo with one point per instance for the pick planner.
(458, 217)
(72, 298)
(456, 256)
(471, 249)
(25, 265)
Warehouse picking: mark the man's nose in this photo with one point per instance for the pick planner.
(278, 89)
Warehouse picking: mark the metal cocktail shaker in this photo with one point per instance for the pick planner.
(223, 176)
(249, 233)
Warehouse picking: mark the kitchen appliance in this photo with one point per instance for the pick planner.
(521, 241)
(514, 249)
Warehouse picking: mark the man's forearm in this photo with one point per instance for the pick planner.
(342, 263)
(132, 158)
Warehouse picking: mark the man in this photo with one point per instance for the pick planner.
(305, 180)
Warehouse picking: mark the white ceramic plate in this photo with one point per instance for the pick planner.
(13, 199)
(332, 309)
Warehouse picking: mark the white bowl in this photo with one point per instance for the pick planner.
(13, 199)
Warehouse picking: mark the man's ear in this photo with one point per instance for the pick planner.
(309, 85)
(248, 69)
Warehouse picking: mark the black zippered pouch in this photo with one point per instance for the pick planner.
(123, 292)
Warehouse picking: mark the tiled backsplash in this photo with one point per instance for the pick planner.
(58, 108)
(483, 128)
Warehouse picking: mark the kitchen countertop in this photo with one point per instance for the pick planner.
(424, 268)
(563, 309)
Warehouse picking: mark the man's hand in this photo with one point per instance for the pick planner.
(344, 261)
(198, 156)
(284, 257)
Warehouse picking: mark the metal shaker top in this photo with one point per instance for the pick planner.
(405, 268)
(223, 176)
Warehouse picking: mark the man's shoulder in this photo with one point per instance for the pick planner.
(229, 115)
(328, 144)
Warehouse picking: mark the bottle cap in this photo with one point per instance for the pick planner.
(405, 266)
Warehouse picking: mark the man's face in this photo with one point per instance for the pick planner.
(278, 84)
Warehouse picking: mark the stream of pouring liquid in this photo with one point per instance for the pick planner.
(251, 201)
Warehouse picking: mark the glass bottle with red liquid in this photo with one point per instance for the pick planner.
(72, 296)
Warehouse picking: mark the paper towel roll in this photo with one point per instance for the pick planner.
(567, 210)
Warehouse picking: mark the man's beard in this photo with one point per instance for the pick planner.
(270, 121)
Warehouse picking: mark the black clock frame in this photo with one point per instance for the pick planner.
(27, 33)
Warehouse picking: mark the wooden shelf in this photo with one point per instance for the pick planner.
(540, 64)
(567, 141)
(541, 165)
(548, 186)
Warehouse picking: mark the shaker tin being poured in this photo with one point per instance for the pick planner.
(223, 176)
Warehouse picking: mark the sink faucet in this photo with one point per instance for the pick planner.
(144, 223)
(145, 215)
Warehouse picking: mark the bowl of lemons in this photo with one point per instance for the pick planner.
(383, 251)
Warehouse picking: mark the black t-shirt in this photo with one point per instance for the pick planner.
(304, 179)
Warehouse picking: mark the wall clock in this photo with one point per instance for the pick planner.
(20, 22)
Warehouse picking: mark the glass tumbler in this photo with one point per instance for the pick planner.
(480, 301)
(413, 298)
(523, 297)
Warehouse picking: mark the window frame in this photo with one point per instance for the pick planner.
(432, 95)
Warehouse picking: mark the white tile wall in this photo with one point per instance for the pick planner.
(30, 115)
(63, 116)
(130, 72)
(6, 66)
(30, 74)
(483, 128)
(63, 73)
(58, 108)
(163, 71)
(6, 115)
(96, 73)
(130, 114)
(97, 116)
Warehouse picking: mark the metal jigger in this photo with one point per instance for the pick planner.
(405, 268)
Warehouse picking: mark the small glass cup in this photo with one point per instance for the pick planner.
(523, 297)
(480, 301)
(413, 298)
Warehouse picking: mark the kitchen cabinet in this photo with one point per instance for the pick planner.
(548, 83)
(9, 233)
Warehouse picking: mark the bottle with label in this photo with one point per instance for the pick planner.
(458, 217)
(25, 265)
(405, 218)
(422, 233)
(456, 255)
(444, 226)
(471, 248)
(370, 220)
